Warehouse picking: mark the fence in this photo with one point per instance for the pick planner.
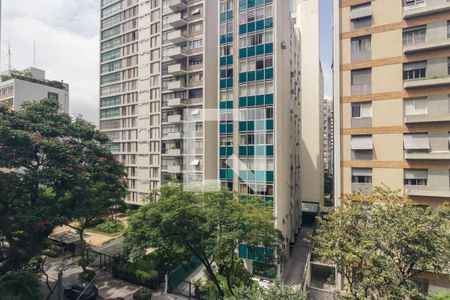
(178, 283)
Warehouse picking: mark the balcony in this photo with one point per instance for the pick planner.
(426, 191)
(177, 20)
(174, 119)
(424, 9)
(173, 152)
(173, 136)
(177, 5)
(426, 46)
(172, 168)
(416, 119)
(361, 89)
(175, 102)
(361, 56)
(177, 69)
(365, 188)
(176, 85)
(176, 53)
(426, 82)
(177, 37)
(427, 155)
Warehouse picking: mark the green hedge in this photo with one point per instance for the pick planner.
(110, 227)
(132, 273)
(142, 294)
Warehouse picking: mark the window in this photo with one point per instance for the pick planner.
(362, 142)
(448, 66)
(52, 96)
(361, 16)
(415, 107)
(414, 35)
(416, 141)
(412, 3)
(414, 70)
(362, 176)
(361, 48)
(362, 110)
(448, 29)
(361, 81)
(415, 177)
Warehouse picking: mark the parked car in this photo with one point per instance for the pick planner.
(73, 292)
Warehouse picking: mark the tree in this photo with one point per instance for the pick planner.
(275, 291)
(20, 285)
(381, 242)
(55, 170)
(209, 226)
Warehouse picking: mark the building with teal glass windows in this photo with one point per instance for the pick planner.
(259, 101)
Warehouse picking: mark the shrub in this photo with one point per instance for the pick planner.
(110, 227)
(86, 276)
(142, 294)
(131, 273)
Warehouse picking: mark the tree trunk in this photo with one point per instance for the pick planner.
(82, 250)
(230, 271)
(213, 277)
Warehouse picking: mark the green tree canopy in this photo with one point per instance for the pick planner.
(209, 226)
(53, 170)
(381, 242)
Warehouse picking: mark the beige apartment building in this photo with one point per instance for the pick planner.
(207, 93)
(154, 87)
(18, 87)
(392, 109)
(312, 159)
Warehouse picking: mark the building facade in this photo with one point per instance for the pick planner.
(328, 135)
(312, 160)
(206, 93)
(18, 87)
(259, 101)
(392, 86)
(154, 88)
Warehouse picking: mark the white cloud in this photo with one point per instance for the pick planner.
(67, 43)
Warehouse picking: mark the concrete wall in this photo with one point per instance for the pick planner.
(29, 91)
(312, 103)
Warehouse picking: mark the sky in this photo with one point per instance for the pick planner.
(66, 33)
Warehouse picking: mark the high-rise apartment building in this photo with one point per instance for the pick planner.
(260, 112)
(207, 93)
(328, 135)
(155, 86)
(392, 87)
(18, 87)
(312, 162)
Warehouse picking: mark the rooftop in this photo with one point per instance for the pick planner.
(33, 75)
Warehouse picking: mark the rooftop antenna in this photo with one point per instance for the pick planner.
(9, 56)
(34, 53)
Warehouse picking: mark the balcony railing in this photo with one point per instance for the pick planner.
(426, 8)
(177, 20)
(177, 69)
(177, 53)
(177, 36)
(177, 5)
(427, 82)
(365, 188)
(426, 46)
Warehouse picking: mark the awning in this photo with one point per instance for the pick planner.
(361, 172)
(361, 11)
(416, 174)
(416, 141)
(362, 142)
